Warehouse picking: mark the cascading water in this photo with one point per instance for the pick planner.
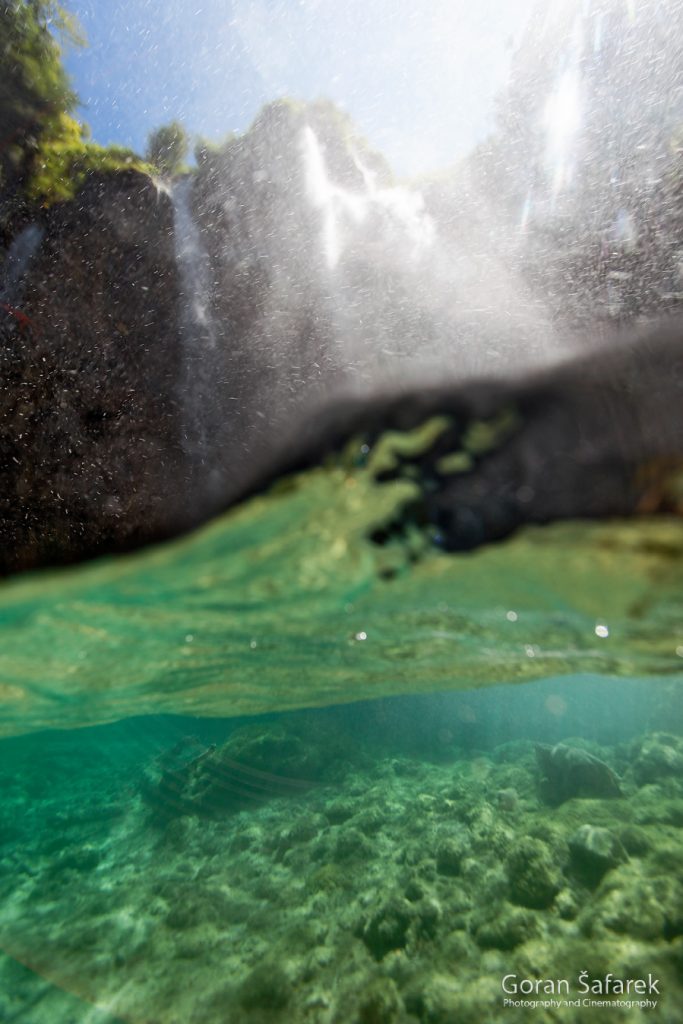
(400, 215)
(197, 326)
(398, 286)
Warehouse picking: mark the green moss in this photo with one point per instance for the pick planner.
(65, 157)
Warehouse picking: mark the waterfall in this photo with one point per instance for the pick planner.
(197, 325)
(19, 255)
(397, 214)
(405, 298)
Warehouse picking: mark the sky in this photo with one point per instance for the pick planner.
(417, 76)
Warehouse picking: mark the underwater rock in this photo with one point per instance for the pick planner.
(507, 799)
(568, 772)
(429, 917)
(450, 855)
(630, 903)
(635, 840)
(505, 927)
(566, 905)
(352, 844)
(256, 764)
(387, 928)
(660, 757)
(266, 987)
(533, 877)
(380, 1003)
(593, 851)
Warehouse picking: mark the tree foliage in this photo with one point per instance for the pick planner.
(45, 152)
(34, 88)
(167, 148)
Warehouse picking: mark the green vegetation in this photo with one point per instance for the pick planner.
(45, 153)
(167, 148)
(66, 156)
(34, 89)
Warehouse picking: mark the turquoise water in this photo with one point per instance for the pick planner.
(384, 861)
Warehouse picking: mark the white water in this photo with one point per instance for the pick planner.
(197, 325)
(437, 306)
(399, 212)
(193, 265)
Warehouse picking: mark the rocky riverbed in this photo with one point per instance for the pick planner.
(294, 872)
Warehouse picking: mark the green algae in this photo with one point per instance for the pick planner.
(285, 602)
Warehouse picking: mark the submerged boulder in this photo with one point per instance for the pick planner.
(593, 852)
(568, 772)
(533, 877)
(659, 757)
(256, 764)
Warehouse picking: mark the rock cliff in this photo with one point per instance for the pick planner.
(168, 348)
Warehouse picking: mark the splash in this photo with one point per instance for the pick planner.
(390, 216)
(563, 118)
(197, 324)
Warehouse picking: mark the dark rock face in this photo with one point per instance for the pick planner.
(138, 399)
(568, 772)
(90, 432)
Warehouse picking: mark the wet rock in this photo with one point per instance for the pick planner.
(380, 1003)
(593, 851)
(92, 398)
(256, 764)
(350, 844)
(647, 909)
(568, 772)
(450, 854)
(533, 876)
(505, 927)
(387, 929)
(429, 915)
(414, 890)
(635, 841)
(507, 799)
(660, 757)
(339, 811)
(566, 905)
(267, 987)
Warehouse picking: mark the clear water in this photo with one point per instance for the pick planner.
(277, 770)
(359, 845)
(356, 862)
